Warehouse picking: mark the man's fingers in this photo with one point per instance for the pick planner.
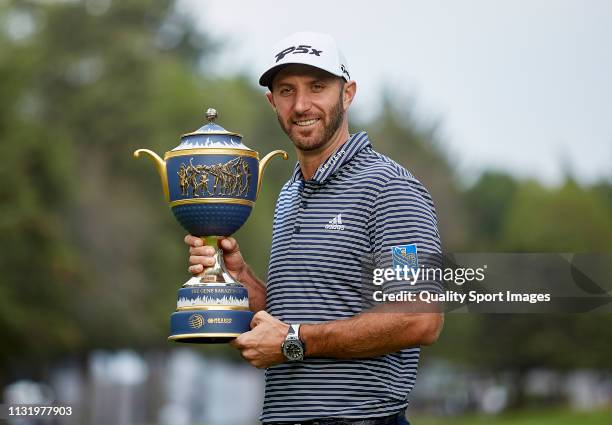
(249, 354)
(195, 269)
(202, 250)
(193, 241)
(204, 261)
(201, 256)
(259, 317)
(229, 245)
(255, 321)
(238, 342)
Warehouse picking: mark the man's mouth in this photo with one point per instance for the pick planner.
(306, 123)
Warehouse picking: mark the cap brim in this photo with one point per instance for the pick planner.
(267, 77)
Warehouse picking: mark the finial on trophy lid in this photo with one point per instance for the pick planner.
(211, 114)
(211, 135)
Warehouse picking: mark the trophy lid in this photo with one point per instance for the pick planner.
(211, 135)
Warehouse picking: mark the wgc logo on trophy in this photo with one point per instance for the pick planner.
(211, 182)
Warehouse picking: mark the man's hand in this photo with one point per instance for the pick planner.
(261, 346)
(202, 256)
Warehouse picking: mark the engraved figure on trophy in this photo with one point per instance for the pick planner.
(202, 172)
(227, 179)
(192, 178)
(216, 171)
(183, 179)
(242, 170)
(234, 176)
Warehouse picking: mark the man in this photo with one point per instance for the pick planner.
(329, 359)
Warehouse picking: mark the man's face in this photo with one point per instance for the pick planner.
(309, 105)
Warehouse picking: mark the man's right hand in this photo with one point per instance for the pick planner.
(202, 256)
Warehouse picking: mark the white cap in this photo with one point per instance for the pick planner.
(309, 48)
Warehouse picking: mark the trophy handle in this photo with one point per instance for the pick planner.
(264, 162)
(160, 165)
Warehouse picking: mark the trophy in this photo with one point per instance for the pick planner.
(211, 182)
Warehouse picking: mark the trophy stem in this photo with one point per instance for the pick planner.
(210, 240)
(214, 274)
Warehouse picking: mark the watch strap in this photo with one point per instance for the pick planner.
(294, 332)
(292, 340)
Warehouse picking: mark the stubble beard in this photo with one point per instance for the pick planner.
(336, 116)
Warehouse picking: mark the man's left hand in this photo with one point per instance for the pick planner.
(261, 346)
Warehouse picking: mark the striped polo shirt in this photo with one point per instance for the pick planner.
(359, 203)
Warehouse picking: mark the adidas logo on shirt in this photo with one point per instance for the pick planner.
(335, 223)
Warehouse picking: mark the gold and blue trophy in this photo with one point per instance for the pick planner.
(211, 182)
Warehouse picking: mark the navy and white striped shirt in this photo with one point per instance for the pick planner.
(358, 203)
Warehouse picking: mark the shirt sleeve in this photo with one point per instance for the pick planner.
(404, 232)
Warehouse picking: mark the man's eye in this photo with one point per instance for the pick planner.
(317, 87)
(285, 92)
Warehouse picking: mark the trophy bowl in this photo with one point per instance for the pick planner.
(211, 181)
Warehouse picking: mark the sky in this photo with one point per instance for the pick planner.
(522, 86)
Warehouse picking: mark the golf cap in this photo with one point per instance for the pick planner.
(308, 48)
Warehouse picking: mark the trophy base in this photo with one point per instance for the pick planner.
(201, 339)
(212, 308)
(209, 326)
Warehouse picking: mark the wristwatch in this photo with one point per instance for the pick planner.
(293, 348)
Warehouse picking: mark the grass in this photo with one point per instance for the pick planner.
(524, 417)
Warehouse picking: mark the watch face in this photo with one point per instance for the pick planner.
(293, 351)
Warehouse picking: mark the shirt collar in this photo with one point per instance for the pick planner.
(335, 161)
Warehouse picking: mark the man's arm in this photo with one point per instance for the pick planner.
(256, 288)
(381, 330)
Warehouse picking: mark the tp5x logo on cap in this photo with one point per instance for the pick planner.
(299, 49)
(308, 48)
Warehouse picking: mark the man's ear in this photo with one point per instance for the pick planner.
(350, 89)
(271, 100)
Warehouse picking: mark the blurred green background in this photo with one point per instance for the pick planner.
(92, 258)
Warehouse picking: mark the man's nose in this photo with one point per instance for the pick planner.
(302, 102)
